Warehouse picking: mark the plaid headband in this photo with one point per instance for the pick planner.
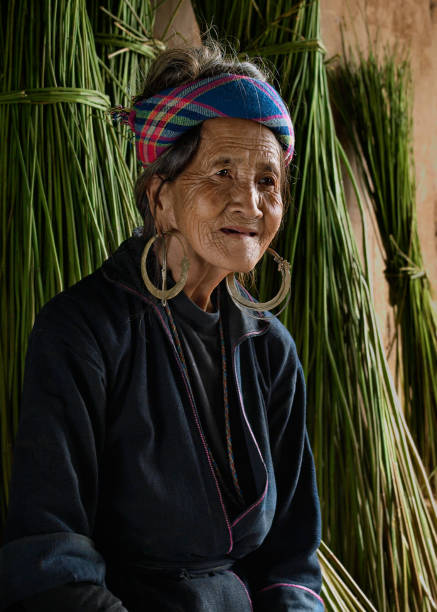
(159, 121)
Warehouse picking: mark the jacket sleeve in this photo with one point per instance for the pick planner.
(75, 596)
(54, 488)
(284, 572)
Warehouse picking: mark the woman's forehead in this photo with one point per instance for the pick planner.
(238, 139)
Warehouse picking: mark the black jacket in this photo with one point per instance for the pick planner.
(112, 482)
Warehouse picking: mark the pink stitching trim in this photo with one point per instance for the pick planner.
(296, 586)
(231, 542)
(244, 587)
(255, 504)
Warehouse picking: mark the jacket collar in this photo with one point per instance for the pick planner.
(124, 268)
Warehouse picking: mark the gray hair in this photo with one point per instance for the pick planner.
(176, 67)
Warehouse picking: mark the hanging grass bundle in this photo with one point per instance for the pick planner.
(125, 46)
(66, 191)
(374, 101)
(378, 513)
(340, 591)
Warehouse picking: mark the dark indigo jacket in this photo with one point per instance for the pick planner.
(112, 483)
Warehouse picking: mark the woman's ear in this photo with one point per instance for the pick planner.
(160, 202)
(153, 188)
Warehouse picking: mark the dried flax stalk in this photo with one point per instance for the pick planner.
(66, 187)
(374, 99)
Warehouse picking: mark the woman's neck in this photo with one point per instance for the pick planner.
(199, 289)
(202, 279)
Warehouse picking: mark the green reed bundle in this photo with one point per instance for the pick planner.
(378, 513)
(374, 100)
(125, 46)
(66, 191)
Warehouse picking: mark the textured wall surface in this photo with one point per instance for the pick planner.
(412, 24)
(182, 29)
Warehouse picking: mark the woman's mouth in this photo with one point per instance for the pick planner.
(238, 231)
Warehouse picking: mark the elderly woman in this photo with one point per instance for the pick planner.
(162, 461)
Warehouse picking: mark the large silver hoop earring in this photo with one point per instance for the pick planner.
(250, 306)
(164, 294)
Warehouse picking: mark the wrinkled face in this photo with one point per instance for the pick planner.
(227, 203)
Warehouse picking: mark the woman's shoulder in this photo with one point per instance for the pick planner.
(101, 294)
(274, 333)
(73, 323)
(276, 350)
(97, 312)
(281, 340)
(86, 299)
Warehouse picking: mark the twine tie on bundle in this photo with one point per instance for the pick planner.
(54, 95)
(396, 273)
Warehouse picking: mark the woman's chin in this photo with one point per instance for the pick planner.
(229, 263)
(240, 262)
(241, 268)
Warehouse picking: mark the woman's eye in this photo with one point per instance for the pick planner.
(268, 180)
(224, 172)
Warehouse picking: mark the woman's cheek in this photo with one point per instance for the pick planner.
(273, 207)
(199, 198)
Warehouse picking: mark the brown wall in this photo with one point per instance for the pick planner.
(413, 25)
(183, 29)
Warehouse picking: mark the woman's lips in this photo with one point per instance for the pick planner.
(234, 230)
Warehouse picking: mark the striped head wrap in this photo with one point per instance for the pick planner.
(159, 121)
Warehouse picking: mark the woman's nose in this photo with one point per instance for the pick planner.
(244, 198)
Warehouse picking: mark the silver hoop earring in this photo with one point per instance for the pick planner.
(164, 294)
(250, 306)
